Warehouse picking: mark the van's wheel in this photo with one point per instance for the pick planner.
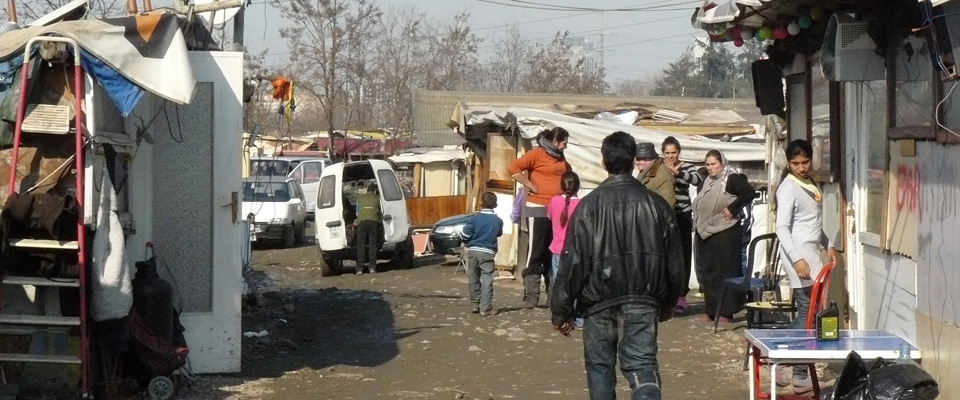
(301, 234)
(290, 236)
(403, 255)
(328, 265)
(161, 388)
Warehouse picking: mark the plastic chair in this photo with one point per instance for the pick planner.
(818, 296)
(462, 263)
(746, 283)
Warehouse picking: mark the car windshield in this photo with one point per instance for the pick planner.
(266, 192)
(269, 167)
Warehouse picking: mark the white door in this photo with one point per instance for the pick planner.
(308, 175)
(187, 203)
(328, 218)
(396, 222)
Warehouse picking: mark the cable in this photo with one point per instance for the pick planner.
(936, 112)
(550, 7)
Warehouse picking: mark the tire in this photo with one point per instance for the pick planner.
(290, 236)
(301, 234)
(403, 255)
(328, 265)
(161, 388)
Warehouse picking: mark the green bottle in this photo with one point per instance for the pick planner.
(828, 323)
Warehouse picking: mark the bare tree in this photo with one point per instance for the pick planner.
(401, 54)
(453, 57)
(505, 68)
(328, 40)
(30, 10)
(640, 86)
(554, 69)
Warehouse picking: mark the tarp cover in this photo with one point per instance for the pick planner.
(148, 49)
(438, 155)
(586, 135)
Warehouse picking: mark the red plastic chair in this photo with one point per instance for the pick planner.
(818, 297)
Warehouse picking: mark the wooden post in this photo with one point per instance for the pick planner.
(417, 177)
(147, 6)
(237, 44)
(132, 7)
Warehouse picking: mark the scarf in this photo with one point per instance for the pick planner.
(809, 186)
(552, 150)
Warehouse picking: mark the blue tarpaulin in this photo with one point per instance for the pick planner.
(124, 93)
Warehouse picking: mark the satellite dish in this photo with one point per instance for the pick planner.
(218, 17)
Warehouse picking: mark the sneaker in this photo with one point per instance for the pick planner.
(359, 272)
(784, 376)
(681, 306)
(476, 310)
(490, 312)
(373, 270)
(802, 386)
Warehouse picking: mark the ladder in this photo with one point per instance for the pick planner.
(51, 120)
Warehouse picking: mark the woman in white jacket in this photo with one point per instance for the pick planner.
(800, 231)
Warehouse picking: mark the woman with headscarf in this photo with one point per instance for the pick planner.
(539, 171)
(720, 198)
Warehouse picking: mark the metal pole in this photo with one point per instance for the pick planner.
(12, 9)
(132, 7)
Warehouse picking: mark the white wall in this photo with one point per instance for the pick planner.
(890, 296)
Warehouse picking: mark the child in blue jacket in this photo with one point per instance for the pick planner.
(480, 235)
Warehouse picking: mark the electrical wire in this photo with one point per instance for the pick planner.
(936, 112)
(551, 7)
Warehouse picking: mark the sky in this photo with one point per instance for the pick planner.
(636, 43)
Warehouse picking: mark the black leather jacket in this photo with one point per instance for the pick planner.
(622, 246)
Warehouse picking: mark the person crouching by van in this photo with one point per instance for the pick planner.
(480, 235)
(369, 222)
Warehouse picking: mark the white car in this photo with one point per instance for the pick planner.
(276, 209)
(305, 169)
(335, 214)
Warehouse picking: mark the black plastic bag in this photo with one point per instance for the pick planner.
(881, 380)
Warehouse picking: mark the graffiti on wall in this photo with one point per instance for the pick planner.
(904, 207)
(938, 232)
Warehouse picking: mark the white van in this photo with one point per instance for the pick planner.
(305, 169)
(335, 214)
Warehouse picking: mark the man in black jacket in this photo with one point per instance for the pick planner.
(623, 266)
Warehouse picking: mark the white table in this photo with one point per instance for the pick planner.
(799, 346)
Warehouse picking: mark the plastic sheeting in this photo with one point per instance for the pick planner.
(586, 136)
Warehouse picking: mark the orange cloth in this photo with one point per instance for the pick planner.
(544, 171)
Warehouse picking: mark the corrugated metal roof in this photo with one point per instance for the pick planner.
(432, 109)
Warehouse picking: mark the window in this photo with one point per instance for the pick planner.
(328, 192)
(311, 172)
(914, 84)
(389, 185)
(267, 192)
(796, 107)
(875, 118)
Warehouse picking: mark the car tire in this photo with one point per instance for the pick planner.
(290, 236)
(301, 234)
(328, 265)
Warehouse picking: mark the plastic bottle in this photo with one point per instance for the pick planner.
(904, 357)
(828, 323)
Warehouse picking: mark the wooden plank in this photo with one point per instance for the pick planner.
(501, 151)
(425, 211)
(39, 320)
(35, 281)
(39, 358)
(45, 244)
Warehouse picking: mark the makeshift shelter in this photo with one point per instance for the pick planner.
(436, 179)
(162, 123)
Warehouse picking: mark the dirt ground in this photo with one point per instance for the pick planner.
(409, 334)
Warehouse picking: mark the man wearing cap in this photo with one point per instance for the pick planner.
(654, 174)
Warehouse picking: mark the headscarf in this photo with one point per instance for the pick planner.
(552, 150)
(727, 171)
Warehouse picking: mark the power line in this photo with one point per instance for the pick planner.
(552, 7)
(532, 22)
(594, 30)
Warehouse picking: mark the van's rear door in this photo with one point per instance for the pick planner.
(328, 218)
(396, 222)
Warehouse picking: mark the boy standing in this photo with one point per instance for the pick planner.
(480, 235)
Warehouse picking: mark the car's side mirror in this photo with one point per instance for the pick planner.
(296, 200)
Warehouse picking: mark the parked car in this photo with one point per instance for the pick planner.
(305, 169)
(335, 214)
(276, 208)
(445, 235)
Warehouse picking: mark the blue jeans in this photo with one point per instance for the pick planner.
(801, 298)
(636, 348)
(480, 269)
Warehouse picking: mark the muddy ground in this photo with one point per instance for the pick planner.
(409, 334)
